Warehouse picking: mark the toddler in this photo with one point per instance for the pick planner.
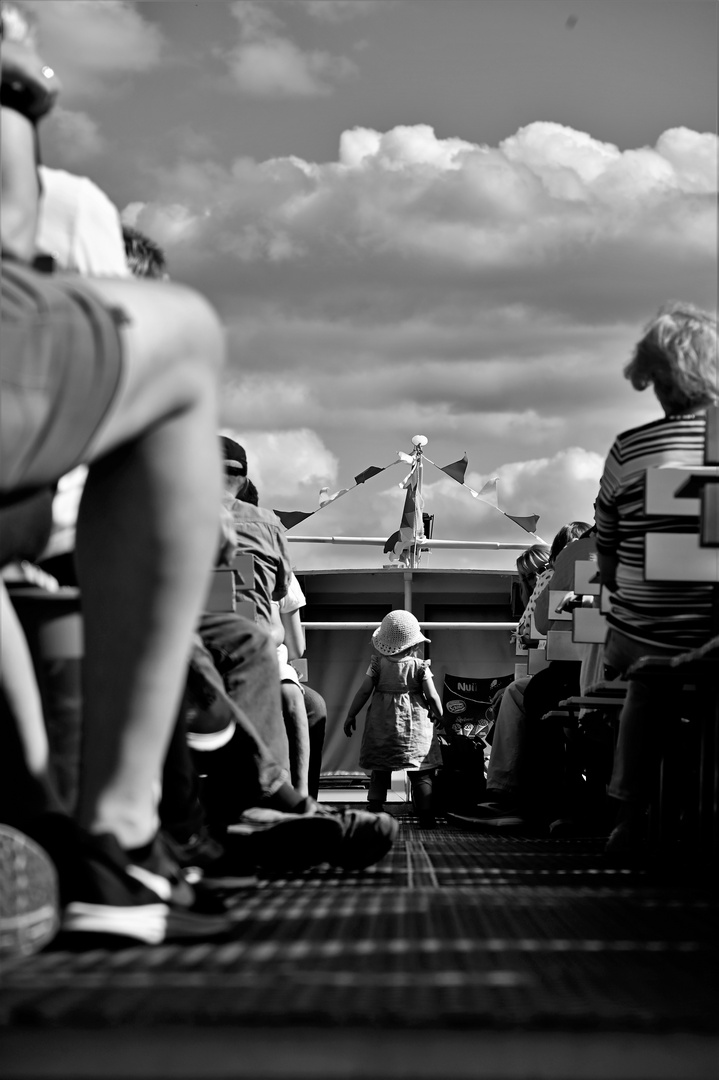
(398, 733)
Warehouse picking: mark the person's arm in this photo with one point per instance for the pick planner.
(290, 607)
(608, 564)
(431, 696)
(228, 538)
(276, 629)
(358, 703)
(606, 517)
(298, 735)
(294, 633)
(20, 185)
(19, 683)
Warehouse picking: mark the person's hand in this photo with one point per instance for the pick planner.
(495, 703)
(350, 725)
(568, 602)
(29, 85)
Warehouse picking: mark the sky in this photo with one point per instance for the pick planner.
(441, 217)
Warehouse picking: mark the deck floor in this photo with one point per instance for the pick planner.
(461, 954)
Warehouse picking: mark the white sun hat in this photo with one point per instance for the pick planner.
(398, 631)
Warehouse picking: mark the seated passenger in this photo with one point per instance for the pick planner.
(677, 357)
(514, 775)
(120, 375)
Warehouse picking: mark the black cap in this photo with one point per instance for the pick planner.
(233, 456)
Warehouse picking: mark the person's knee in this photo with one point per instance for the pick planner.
(204, 335)
(196, 350)
(316, 707)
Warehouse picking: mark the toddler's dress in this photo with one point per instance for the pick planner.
(398, 732)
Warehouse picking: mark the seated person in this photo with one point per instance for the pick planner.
(312, 702)
(677, 356)
(122, 376)
(511, 772)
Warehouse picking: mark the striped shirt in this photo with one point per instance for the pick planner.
(655, 612)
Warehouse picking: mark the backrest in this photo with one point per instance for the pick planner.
(691, 553)
(226, 582)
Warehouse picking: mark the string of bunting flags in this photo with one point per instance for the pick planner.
(456, 470)
(488, 493)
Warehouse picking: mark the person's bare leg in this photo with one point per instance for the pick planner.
(17, 675)
(147, 531)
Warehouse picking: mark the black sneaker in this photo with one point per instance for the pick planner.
(107, 892)
(206, 865)
(366, 837)
(29, 895)
(277, 841)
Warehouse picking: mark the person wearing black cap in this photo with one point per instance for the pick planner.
(233, 456)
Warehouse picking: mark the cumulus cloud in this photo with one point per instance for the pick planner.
(168, 224)
(95, 46)
(335, 11)
(547, 200)
(286, 464)
(73, 135)
(267, 63)
(487, 296)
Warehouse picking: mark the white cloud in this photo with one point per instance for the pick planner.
(546, 200)
(485, 296)
(92, 45)
(286, 464)
(693, 155)
(168, 224)
(267, 63)
(335, 11)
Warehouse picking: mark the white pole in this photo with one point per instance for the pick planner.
(374, 541)
(418, 442)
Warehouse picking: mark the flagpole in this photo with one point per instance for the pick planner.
(418, 441)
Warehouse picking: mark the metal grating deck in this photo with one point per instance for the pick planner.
(455, 936)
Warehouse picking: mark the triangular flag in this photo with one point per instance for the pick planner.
(411, 524)
(457, 469)
(325, 498)
(391, 541)
(290, 518)
(489, 492)
(529, 524)
(368, 473)
(410, 479)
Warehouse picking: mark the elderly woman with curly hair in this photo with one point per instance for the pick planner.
(677, 357)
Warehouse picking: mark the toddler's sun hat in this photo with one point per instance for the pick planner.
(398, 631)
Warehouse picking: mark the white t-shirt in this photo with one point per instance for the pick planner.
(293, 600)
(79, 226)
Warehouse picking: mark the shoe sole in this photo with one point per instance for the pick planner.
(150, 923)
(297, 842)
(29, 899)
(509, 821)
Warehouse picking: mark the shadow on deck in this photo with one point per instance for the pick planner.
(460, 955)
